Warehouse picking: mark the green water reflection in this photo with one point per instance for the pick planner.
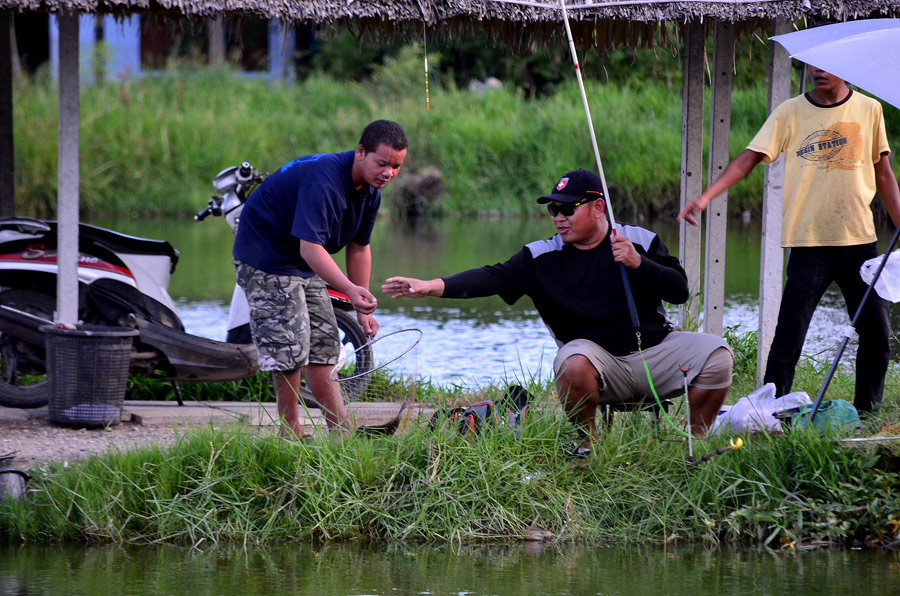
(341, 569)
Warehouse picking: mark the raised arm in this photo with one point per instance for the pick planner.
(734, 172)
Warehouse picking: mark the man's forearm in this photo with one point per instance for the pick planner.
(324, 266)
(668, 283)
(474, 283)
(734, 172)
(359, 264)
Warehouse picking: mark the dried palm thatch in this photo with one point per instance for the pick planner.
(596, 23)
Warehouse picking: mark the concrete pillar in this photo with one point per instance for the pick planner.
(67, 171)
(692, 160)
(772, 259)
(281, 50)
(7, 183)
(716, 214)
(217, 42)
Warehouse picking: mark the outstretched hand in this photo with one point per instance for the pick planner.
(689, 212)
(409, 287)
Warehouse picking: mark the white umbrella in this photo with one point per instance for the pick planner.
(864, 53)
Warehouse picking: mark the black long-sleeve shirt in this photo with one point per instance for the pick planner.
(579, 294)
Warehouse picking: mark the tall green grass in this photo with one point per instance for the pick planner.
(152, 145)
(239, 484)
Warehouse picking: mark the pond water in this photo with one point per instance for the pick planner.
(529, 569)
(465, 342)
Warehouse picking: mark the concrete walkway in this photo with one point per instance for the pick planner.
(168, 413)
(28, 438)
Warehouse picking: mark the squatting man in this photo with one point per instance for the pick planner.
(574, 280)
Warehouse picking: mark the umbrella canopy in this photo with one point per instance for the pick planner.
(864, 53)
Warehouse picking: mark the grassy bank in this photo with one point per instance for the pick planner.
(152, 145)
(238, 484)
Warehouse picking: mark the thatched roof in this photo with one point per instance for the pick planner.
(632, 22)
(433, 12)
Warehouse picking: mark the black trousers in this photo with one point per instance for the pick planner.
(810, 271)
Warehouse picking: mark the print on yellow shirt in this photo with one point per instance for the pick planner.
(839, 148)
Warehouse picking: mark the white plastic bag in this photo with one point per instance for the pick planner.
(757, 411)
(888, 284)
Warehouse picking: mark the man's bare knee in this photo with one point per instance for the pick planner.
(577, 381)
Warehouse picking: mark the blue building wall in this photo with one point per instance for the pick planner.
(122, 47)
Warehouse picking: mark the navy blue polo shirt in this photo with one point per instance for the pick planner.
(311, 198)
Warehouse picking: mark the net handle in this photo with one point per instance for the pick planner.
(333, 375)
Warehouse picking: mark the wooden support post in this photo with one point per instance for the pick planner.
(692, 160)
(67, 172)
(771, 270)
(717, 213)
(7, 183)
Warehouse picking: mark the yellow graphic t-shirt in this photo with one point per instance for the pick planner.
(829, 181)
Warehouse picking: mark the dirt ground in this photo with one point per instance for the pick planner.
(29, 437)
(32, 441)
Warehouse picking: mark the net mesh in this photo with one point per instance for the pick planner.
(393, 374)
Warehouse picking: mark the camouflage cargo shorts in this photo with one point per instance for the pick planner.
(291, 319)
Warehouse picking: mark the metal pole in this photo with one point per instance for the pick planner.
(687, 412)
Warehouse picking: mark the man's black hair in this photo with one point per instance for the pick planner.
(384, 132)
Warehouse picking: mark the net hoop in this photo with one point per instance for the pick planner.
(415, 335)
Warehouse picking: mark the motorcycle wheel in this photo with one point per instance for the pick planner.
(360, 358)
(23, 370)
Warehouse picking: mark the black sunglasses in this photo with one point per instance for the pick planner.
(567, 209)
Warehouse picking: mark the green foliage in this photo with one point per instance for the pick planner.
(151, 145)
(255, 388)
(244, 484)
(344, 56)
(745, 351)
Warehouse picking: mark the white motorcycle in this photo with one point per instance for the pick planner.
(123, 281)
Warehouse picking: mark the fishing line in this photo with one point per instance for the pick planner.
(659, 404)
(425, 50)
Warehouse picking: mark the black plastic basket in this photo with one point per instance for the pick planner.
(87, 369)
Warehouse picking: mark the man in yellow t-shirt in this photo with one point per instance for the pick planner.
(836, 157)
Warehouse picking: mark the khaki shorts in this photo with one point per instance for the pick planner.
(291, 319)
(623, 378)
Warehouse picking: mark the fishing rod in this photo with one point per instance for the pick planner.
(733, 445)
(632, 311)
(869, 439)
(629, 297)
